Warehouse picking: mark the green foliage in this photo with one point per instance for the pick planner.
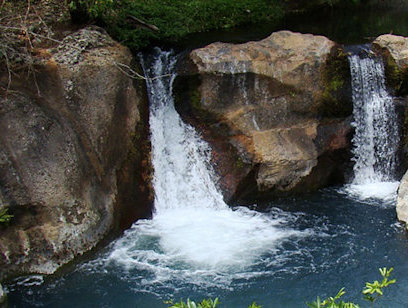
(174, 18)
(372, 292)
(4, 216)
(206, 303)
(333, 302)
(94, 8)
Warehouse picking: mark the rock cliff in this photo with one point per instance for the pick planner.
(278, 107)
(395, 52)
(394, 49)
(70, 153)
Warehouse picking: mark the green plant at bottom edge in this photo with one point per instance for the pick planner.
(206, 303)
(372, 292)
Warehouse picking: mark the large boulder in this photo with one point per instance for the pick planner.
(279, 108)
(70, 153)
(394, 49)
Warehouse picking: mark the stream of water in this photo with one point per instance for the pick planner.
(280, 254)
(376, 138)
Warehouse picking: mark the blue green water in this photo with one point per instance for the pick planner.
(280, 254)
(349, 240)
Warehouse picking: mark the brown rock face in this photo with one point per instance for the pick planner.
(396, 45)
(394, 50)
(281, 103)
(67, 142)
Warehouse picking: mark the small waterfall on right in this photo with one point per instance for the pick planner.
(376, 138)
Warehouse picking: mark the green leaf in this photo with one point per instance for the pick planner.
(4, 216)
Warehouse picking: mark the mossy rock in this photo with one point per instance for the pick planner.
(187, 98)
(396, 77)
(336, 98)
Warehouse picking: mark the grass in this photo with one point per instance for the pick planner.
(176, 18)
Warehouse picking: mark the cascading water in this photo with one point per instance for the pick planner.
(193, 235)
(197, 247)
(376, 132)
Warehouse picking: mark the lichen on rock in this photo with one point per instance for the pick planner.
(72, 48)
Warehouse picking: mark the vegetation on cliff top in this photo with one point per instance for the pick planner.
(174, 18)
(138, 24)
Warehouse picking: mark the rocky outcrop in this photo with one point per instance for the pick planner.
(279, 105)
(394, 49)
(70, 153)
(402, 200)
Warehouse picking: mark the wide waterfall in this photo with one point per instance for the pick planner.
(375, 142)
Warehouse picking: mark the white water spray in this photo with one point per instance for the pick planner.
(376, 131)
(193, 236)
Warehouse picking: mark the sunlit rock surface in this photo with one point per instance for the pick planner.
(68, 161)
(402, 200)
(396, 45)
(280, 106)
(394, 50)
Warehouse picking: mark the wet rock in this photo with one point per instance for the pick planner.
(68, 139)
(281, 103)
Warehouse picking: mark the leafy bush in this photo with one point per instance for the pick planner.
(174, 18)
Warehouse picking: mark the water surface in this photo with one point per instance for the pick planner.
(348, 241)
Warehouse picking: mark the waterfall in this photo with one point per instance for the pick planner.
(193, 234)
(376, 138)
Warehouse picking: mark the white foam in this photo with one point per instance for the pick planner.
(193, 236)
(385, 191)
(201, 243)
